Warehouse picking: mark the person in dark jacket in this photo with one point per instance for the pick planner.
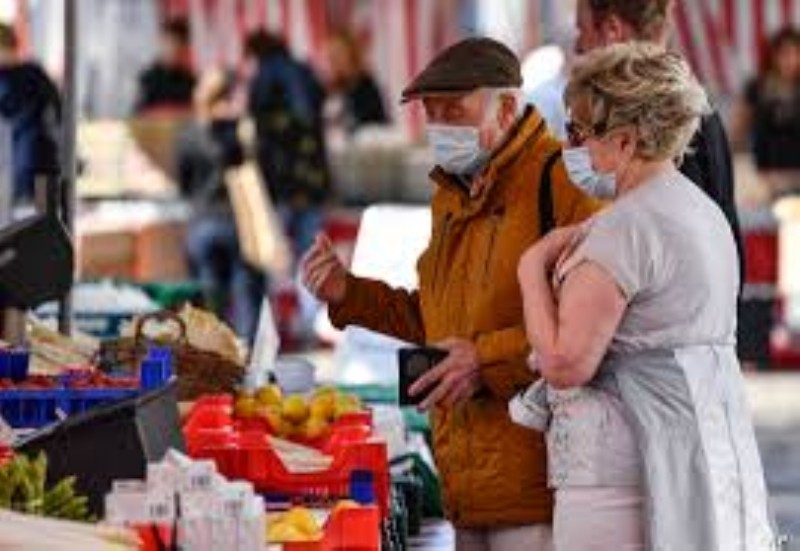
(169, 81)
(353, 91)
(768, 117)
(285, 101)
(603, 22)
(206, 148)
(30, 105)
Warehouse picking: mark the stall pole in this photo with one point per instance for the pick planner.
(69, 126)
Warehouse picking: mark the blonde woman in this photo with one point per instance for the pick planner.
(632, 318)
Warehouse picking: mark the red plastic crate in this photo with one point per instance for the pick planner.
(356, 529)
(211, 432)
(347, 429)
(216, 411)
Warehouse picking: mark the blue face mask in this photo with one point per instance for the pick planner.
(456, 149)
(578, 163)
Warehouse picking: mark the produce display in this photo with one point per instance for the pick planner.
(295, 525)
(72, 379)
(300, 524)
(296, 416)
(23, 489)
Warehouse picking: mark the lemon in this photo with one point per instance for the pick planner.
(302, 519)
(246, 406)
(281, 532)
(272, 415)
(347, 403)
(316, 427)
(295, 409)
(323, 406)
(269, 395)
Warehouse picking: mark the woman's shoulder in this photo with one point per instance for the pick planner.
(647, 210)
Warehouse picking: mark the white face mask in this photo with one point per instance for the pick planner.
(578, 163)
(456, 149)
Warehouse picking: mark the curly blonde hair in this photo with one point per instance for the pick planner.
(642, 86)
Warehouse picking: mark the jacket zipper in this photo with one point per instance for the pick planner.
(439, 248)
(497, 216)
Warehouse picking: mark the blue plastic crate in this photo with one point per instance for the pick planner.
(33, 408)
(85, 399)
(29, 408)
(14, 364)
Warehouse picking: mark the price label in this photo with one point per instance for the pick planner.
(160, 510)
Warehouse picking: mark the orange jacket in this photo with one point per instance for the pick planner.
(493, 471)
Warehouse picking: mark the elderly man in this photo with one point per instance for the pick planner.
(708, 164)
(499, 184)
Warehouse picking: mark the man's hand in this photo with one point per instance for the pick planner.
(323, 273)
(456, 378)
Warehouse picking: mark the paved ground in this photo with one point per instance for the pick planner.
(775, 399)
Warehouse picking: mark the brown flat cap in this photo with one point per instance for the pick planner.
(467, 65)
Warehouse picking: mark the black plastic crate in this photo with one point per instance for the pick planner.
(110, 442)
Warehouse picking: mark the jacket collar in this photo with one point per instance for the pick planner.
(521, 136)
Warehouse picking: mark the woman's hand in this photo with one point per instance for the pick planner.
(545, 253)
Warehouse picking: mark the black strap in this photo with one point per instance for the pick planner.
(547, 219)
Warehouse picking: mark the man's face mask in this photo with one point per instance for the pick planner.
(457, 149)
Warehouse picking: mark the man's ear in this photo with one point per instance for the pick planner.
(507, 113)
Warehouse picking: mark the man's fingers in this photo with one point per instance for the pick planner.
(460, 391)
(312, 266)
(440, 391)
(321, 275)
(319, 258)
(429, 378)
(325, 241)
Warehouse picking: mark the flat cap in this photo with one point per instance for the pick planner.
(467, 65)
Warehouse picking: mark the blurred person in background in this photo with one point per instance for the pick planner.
(206, 148)
(768, 117)
(499, 185)
(708, 161)
(354, 98)
(285, 101)
(30, 105)
(169, 82)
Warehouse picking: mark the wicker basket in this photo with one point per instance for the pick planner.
(199, 371)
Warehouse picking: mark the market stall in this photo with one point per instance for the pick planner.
(164, 436)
